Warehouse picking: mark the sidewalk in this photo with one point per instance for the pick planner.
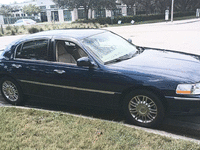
(176, 22)
(184, 21)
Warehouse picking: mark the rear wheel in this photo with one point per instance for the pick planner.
(11, 91)
(143, 108)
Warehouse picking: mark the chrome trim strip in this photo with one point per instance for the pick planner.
(70, 87)
(184, 98)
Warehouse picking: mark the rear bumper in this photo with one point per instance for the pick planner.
(183, 104)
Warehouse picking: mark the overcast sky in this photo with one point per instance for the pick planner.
(10, 1)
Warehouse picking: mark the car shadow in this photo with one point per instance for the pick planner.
(88, 111)
(171, 124)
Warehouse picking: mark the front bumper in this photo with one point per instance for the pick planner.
(178, 104)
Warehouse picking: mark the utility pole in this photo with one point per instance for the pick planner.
(172, 11)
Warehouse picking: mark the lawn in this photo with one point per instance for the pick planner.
(36, 129)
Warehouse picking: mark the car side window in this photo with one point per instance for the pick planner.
(68, 52)
(35, 50)
(19, 21)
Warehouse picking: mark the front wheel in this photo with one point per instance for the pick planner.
(11, 91)
(143, 108)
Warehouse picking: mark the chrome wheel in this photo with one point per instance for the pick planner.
(143, 109)
(10, 91)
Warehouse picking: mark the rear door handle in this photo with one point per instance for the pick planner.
(59, 71)
(16, 66)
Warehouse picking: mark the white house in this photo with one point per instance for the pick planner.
(50, 12)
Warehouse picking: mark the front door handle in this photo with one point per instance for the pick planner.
(59, 71)
(16, 66)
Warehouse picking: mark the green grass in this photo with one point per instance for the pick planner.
(34, 129)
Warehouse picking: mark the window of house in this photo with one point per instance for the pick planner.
(35, 50)
(67, 15)
(117, 12)
(52, 6)
(81, 14)
(42, 7)
(100, 13)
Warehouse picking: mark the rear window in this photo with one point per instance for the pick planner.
(35, 50)
(19, 21)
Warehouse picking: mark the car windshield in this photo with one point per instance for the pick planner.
(109, 47)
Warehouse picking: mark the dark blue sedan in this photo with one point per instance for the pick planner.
(98, 67)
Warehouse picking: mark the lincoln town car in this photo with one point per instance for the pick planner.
(100, 68)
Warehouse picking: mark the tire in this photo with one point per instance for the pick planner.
(11, 91)
(143, 108)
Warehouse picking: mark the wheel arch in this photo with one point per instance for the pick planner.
(154, 90)
(9, 76)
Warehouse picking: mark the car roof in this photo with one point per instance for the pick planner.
(68, 33)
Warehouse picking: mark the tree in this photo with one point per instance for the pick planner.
(108, 4)
(130, 4)
(162, 5)
(148, 5)
(182, 5)
(186, 5)
(31, 9)
(86, 4)
(6, 11)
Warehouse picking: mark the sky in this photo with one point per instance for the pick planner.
(10, 1)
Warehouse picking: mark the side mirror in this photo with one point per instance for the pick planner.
(130, 40)
(85, 61)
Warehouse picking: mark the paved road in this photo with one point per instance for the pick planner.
(179, 35)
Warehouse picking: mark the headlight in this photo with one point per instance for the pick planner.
(188, 89)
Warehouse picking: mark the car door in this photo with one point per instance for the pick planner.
(83, 85)
(32, 67)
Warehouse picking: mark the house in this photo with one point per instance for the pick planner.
(51, 12)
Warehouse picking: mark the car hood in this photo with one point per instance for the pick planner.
(162, 63)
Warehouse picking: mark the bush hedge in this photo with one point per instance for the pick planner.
(137, 18)
(33, 30)
(15, 30)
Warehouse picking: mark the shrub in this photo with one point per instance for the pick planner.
(183, 14)
(137, 18)
(41, 29)
(12, 32)
(16, 28)
(8, 27)
(8, 32)
(33, 30)
(23, 26)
